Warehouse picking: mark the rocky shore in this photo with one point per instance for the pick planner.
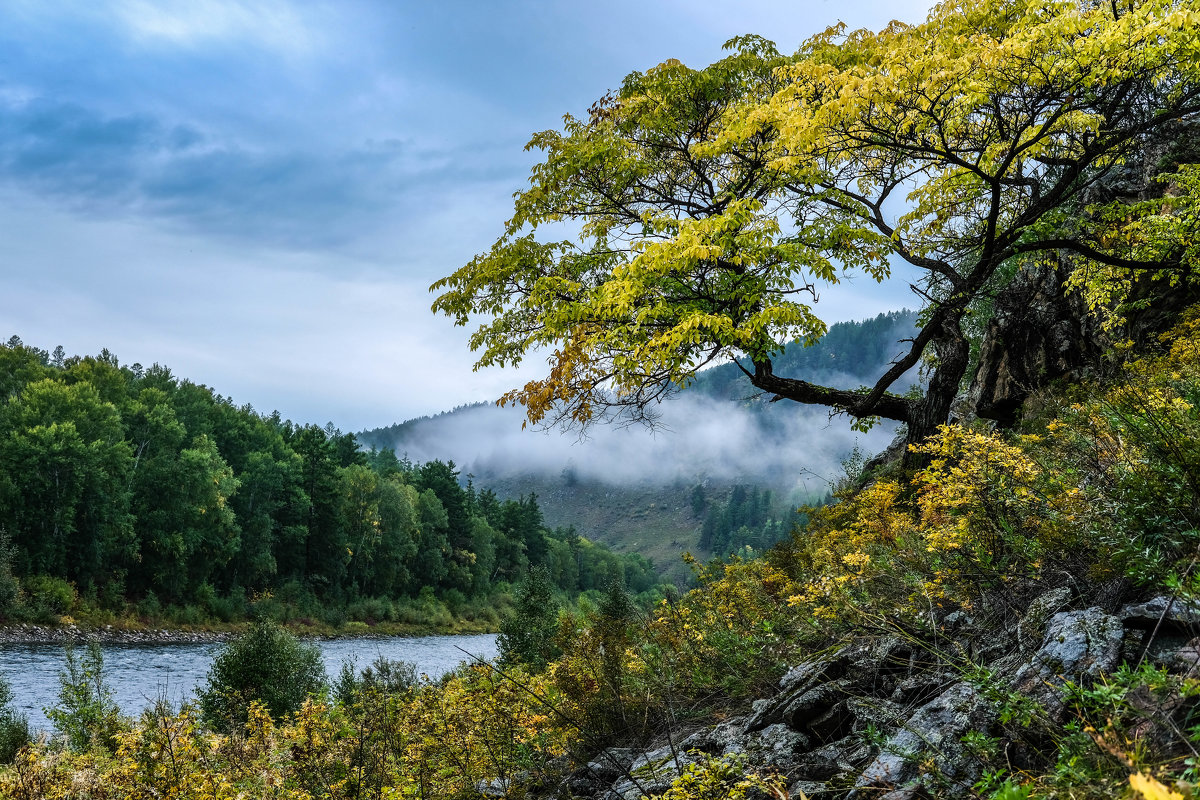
(62, 634)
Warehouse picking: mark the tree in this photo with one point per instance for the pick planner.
(527, 637)
(713, 203)
(266, 664)
(86, 714)
(63, 490)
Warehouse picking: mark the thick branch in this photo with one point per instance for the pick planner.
(856, 404)
(1095, 255)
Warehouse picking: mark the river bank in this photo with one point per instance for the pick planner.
(141, 671)
(29, 633)
(64, 634)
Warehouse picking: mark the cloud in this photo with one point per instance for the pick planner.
(137, 164)
(782, 445)
(274, 25)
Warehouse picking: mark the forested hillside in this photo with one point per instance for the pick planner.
(125, 490)
(848, 354)
(650, 508)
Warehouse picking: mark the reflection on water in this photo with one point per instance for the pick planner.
(138, 674)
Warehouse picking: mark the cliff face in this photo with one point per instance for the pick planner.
(888, 717)
(1040, 332)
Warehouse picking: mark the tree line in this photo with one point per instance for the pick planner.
(751, 517)
(128, 484)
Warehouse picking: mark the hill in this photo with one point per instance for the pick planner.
(632, 488)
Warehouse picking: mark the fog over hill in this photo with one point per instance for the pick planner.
(700, 438)
(715, 430)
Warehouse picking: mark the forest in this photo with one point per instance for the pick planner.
(127, 492)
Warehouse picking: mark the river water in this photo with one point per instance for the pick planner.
(138, 674)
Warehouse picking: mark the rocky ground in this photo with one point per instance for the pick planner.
(886, 717)
(37, 634)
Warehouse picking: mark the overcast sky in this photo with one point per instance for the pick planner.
(259, 194)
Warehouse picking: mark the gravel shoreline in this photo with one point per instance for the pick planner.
(47, 634)
(61, 634)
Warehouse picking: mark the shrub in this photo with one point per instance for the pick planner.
(86, 714)
(14, 726)
(50, 595)
(189, 614)
(267, 664)
(528, 635)
(150, 606)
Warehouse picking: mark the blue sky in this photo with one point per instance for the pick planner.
(259, 194)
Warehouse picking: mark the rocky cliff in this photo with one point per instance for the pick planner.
(891, 717)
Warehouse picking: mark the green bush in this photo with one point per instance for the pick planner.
(527, 636)
(150, 606)
(14, 726)
(186, 615)
(267, 664)
(86, 714)
(49, 595)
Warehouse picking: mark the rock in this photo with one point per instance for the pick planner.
(803, 790)
(816, 766)
(653, 771)
(921, 688)
(726, 738)
(1077, 644)
(1032, 626)
(810, 710)
(957, 620)
(1167, 614)
(797, 681)
(620, 757)
(496, 787)
(803, 675)
(35, 634)
(907, 793)
(1038, 332)
(777, 744)
(882, 714)
(932, 734)
(892, 453)
(874, 669)
(1184, 660)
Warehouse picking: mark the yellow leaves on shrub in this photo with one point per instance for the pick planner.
(475, 725)
(1151, 789)
(721, 778)
(982, 512)
(981, 491)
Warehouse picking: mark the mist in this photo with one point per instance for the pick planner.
(783, 445)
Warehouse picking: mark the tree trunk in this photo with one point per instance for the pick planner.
(933, 409)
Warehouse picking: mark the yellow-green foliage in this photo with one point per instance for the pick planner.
(1163, 229)
(724, 778)
(984, 512)
(728, 636)
(1105, 483)
(439, 742)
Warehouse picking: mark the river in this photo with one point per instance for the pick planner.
(138, 674)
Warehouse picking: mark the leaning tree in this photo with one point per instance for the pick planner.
(699, 212)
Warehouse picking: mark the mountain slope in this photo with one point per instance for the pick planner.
(631, 488)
